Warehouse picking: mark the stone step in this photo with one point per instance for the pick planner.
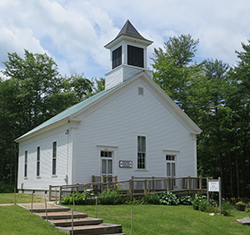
(94, 229)
(244, 221)
(61, 215)
(76, 222)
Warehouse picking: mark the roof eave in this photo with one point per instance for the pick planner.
(128, 38)
(54, 125)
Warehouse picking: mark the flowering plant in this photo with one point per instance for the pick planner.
(240, 203)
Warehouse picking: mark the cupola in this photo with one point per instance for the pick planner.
(128, 56)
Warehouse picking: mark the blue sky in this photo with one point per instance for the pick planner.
(74, 32)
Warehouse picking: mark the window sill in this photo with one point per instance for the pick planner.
(25, 178)
(38, 177)
(144, 170)
(54, 176)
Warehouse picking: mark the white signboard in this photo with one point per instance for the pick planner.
(213, 186)
(125, 164)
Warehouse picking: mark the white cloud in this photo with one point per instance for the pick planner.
(74, 32)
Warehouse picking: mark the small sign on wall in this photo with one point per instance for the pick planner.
(125, 164)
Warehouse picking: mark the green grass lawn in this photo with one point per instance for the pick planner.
(147, 219)
(160, 219)
(20, 198)
(15, 220)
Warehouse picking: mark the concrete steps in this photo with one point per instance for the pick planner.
(61, 217)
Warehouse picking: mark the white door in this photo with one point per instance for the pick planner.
(171, 168)
(107, 165)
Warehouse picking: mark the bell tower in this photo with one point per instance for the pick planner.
(128, 56)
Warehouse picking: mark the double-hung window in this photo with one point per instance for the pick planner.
(171, 169)
(170, 159)
(38, 162)
(141, 152)
(25, 163)
(54, 158)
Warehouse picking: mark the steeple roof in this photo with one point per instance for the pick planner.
(129, 30)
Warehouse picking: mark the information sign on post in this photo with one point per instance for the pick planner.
(214, 185)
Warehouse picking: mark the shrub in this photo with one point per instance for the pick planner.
(6, 188)
(109, 197)
(196, 204)
(186, 200)
(133, 201)
(84, 198)
(168, 198)
(151, 198)
(200, 202)
(203, 205)
(226, 208)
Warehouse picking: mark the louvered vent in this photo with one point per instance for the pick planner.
(135, 56)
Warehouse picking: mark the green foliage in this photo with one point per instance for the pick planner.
(134, 201)
(215, 97)
(168, 198)
(84, 198)
(151, 198)
(203, 205)
(226, 208)
(109, 197)
(200, 203)
(30, 96)
(6, 188)
(186, 200)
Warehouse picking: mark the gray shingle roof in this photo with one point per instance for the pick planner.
(129, 30)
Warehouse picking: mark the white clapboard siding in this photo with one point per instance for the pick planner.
(63, 161)
(113, 122)
(116, 124)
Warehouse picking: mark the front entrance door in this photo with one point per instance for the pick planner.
(171, 168)
(107, 165)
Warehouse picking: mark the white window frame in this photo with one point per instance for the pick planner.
(106, 159)
(54, 157)
(141, 152)
(175, 153)
(141, 91)
(107, 148)
(26, 164)
(38, 161)
(171, 162)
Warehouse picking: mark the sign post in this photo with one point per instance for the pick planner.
(214, 185)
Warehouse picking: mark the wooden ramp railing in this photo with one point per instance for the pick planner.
(134, 186)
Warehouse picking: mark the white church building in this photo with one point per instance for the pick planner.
(132, 128)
